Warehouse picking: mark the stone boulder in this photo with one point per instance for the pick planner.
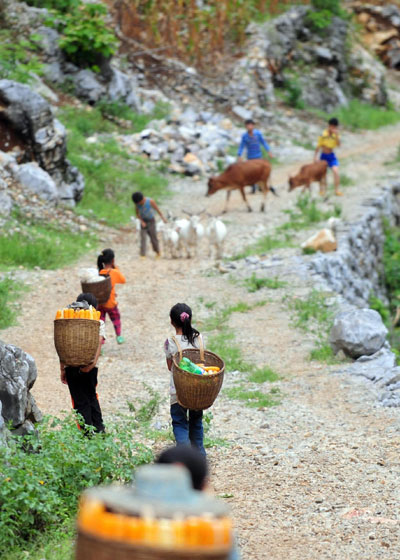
(88, 87)
(17, 375)
(44, 138)
(37, 180)
(357, 333)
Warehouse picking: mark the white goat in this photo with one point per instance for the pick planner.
(190, 231)
(169, 238)
(216, 232)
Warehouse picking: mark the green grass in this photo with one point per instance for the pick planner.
(55, 544)
(252, 398)
(111, 173)
(307, 145)
(43, 246)
(307, 213)
(10, 290)
(222, 316)
(346, 181)
(313, 315)
(264, 245)
(254, 284)
(262, 375)
(358, 115)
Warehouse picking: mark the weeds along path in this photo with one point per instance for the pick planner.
(314, 476)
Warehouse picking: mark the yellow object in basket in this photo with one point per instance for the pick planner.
(68, 313)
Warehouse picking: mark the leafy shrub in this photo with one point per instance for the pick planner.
(293, 95)
(58, 5)
(324, 10)
(39, 488)
(17, 57)
(85, 35)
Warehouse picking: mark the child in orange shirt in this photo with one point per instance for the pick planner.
(106, 265)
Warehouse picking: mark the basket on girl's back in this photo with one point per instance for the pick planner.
(106, 265)
(82, 379)
(187, 424)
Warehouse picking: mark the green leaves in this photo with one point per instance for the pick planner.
(85, 35)
(17, 57)
(42, 477)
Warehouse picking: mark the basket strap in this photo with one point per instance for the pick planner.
(175, 340)
(201, 346)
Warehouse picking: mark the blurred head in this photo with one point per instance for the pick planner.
(333, 124)
(137, 197)
(105, 259)
(188, 457)
(250, 125)
(89, 298)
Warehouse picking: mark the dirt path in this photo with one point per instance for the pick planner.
(316, 476)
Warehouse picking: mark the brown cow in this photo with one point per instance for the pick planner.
(240, 175)
(308, 174)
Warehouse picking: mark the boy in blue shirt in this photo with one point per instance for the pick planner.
(252, 140)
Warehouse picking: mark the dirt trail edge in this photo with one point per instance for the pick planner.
(315, 476)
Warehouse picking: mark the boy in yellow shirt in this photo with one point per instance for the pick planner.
(327, 142)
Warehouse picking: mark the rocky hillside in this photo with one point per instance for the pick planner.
(294, 61)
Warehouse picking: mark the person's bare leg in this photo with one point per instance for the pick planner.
(336, 178)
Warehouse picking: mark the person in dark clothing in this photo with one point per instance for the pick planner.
(82, 381)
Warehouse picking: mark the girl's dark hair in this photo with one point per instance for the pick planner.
(89, 298)
(181, 317)
(106, 257)
(189, 457)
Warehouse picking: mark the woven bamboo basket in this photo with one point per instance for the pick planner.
(193, 391)
(101, 290)
(91, 547)
(76, 340)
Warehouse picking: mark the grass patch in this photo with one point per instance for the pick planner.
(210, 440)
(358, 115)
(307, 144)
(323, 353)
(262, 375)
(307, 213)
(10, 290)
(313, 315)
(264, 245)
(346, 181)
(52, 544)
(223, 345)
(254, 284)
(111, 173)
(42, 246)
(252, 398)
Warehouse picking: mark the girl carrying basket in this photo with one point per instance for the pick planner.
(106, 265)
(187, 424)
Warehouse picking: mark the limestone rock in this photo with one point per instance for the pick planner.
(6, 204)
(44, 138)
(323, 241)
(359, 332)
(17, 375)
(34, 178)
(88, 87)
